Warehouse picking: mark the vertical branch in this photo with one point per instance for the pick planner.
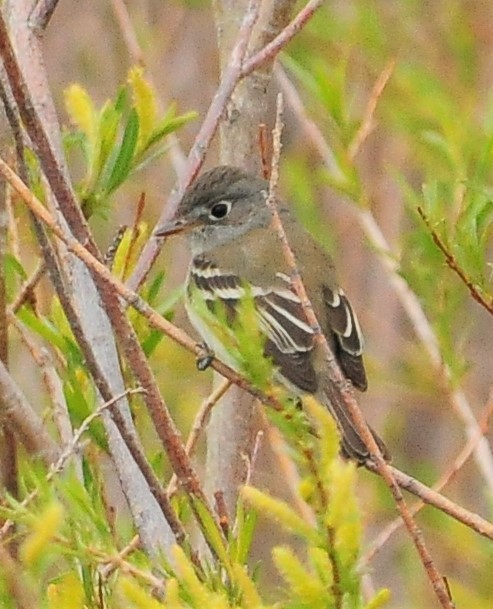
(8, 448)
(234, 424)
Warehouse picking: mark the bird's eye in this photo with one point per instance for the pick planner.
(220, 210)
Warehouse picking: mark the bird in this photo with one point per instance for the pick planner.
(235, 252)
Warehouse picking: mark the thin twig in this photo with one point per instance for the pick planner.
(341, 385)
(158, 322)
(107, 569)
(367, 122)
(200, 421)
(252, 460)
(116, 561)
(452, 263)
(21, 417)
(271, 50)
(26, 289)
(41, 15)
(51, 379)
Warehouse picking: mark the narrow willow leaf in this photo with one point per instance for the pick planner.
(212, 533)
(169, 125)
(45, 528)
(173, 600)
(80, 108)
(123, 161)
(380, 599)
(109, 120)
(137, 596)
(280, 512)
(329, 437)
(67, 593)
(246, 519)
(303, 584)
(144, 99)
(200, 596)
(250, 598)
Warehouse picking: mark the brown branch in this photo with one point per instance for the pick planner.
(8, 448)
(342, 387)
(41, 15)
(17, 412)
(452, 263)
(158, 322)
(367, 122)
(27, 288)
(271, 50)
(447, 506)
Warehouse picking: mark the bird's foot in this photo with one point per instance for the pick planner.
(204, 357)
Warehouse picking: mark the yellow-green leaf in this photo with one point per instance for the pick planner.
(305, 585)
(140, 598)
(45, 528)
(380, 599)
(123, 162)
(81, 110)
(249, 594)
(280, 512)
(144, 99)
(66, 593)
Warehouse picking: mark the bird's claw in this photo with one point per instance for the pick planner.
(204, 357)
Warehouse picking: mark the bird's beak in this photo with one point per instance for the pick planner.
(174, 227)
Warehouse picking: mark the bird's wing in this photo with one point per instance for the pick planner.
(342, 321)
(288, 336)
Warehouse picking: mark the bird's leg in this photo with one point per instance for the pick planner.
(204, 357)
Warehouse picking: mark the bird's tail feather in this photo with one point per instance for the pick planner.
(352, 444)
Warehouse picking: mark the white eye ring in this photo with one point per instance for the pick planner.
(219, 210)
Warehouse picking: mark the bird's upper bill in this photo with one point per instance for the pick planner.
(175, 226)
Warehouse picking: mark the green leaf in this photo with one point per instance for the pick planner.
(281, 512)
(212, 533)
(123, 161)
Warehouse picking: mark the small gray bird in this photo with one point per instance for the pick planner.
(236, 252)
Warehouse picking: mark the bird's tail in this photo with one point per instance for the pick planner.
(352, 444)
